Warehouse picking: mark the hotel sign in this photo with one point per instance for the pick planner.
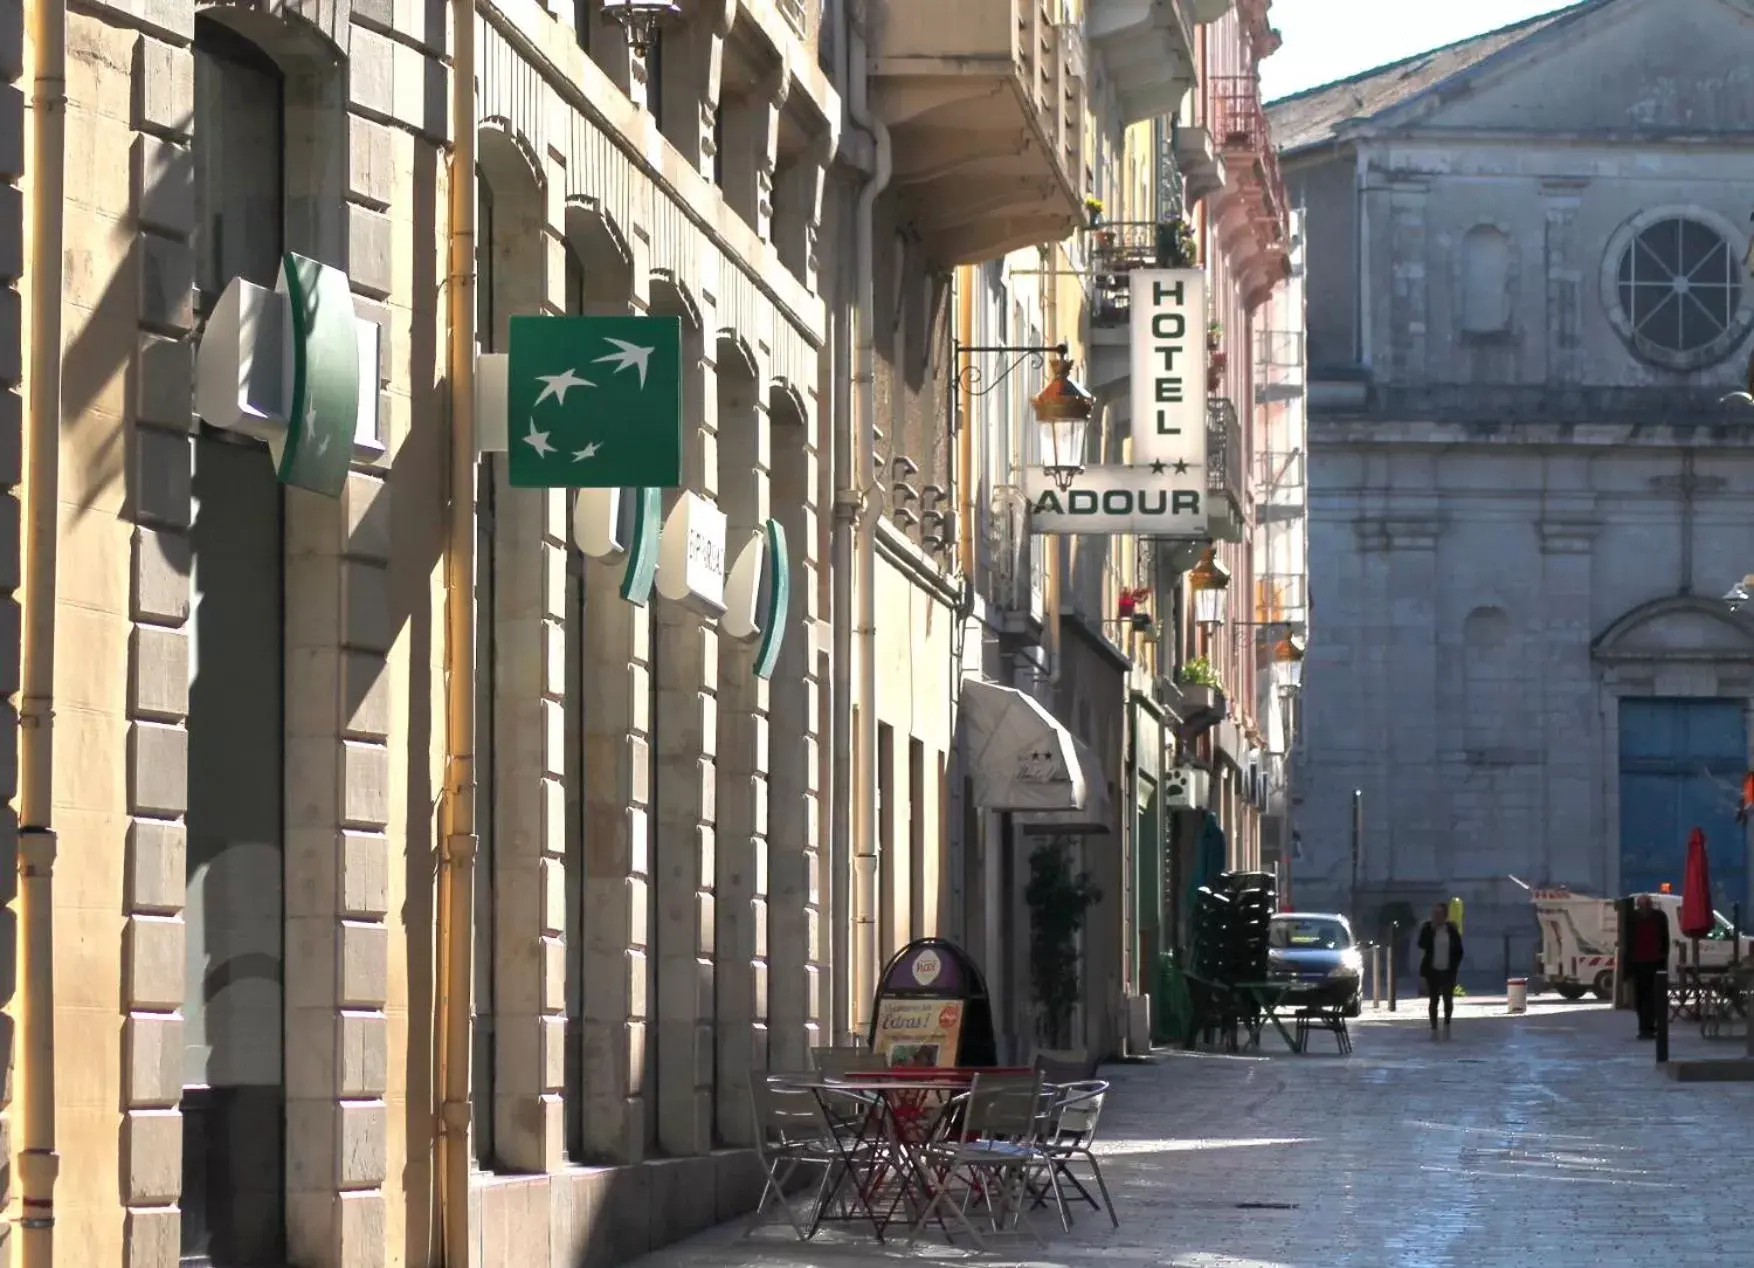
(1168, 308)
(1149, 501)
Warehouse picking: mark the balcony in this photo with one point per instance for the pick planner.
(1147, 47)
(1281, 485)
(1281, 598)
(984, 100)
(1196, 156)
(1251, 214)
(1226, 499)
(1114, 250)
(1279, 372)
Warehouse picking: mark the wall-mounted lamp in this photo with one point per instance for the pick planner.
(640, 19)
(1209, 579)
(1288, 664)
(1062, 415)
(1737, 596)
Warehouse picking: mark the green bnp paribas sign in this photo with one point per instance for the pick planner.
(317, 449)
(594, 403)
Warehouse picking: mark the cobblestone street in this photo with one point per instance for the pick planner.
(1545, 1138)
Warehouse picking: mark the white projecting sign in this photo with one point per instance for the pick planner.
(1168, 329)
(1151, 501)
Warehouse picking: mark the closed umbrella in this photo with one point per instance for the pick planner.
(1697, 917)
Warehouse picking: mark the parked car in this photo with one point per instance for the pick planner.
(1318, 952)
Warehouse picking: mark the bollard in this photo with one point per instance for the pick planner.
(1393, 929)
(1661, 991)
(1507, 957)
(1735, 933)
(1376, 977)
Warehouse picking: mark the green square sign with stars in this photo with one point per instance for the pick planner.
(594, 403)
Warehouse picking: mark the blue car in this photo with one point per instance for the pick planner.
(1317, 952)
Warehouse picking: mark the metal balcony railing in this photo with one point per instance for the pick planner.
(794, 12)
(1116, 248)
(1279, 349)
(1239, 127)
(1225, 455)
(1277, 470)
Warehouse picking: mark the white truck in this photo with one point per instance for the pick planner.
(1580, 939)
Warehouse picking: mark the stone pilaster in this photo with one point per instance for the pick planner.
(1408, 310)
(1564, 275)
(687, 675)
(619, 1008)
(741, 874)
(529, 871)
(338, 722)
(795, 929)
(161, 193)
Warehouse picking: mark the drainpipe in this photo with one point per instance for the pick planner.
(456, 897)
(965, 283)
(865, 845)
(846, 507)
(38, 1162)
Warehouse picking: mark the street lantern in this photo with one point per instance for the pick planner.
(640, 19)
(1738, 595)
(1288, 664)
(1062, 417)
(1209, 580)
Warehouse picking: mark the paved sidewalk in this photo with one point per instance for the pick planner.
(1547, 1138)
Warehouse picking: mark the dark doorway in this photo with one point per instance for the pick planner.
(234, 1090)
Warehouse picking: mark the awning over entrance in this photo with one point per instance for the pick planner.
(1098, 812)
(1020, 755)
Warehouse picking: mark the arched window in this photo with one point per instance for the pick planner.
(1485, 281)
(240, 157)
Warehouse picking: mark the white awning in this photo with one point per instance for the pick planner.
(1020, 755)
(1098, 814)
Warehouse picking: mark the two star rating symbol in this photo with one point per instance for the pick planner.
(627, 356)
(1180, 467)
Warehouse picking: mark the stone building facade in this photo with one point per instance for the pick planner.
(687, 873)
(1527, 300)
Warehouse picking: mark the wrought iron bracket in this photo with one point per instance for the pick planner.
(973, 378)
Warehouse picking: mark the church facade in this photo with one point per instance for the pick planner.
(1527, 303)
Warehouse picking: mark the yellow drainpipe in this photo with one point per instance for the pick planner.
(38, 1163)
(965, 412)
(456, 897)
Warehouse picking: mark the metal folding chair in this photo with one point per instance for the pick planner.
(1073, 1133)
(997, 1152)
(791, 1133)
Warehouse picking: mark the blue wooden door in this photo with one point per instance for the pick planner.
(1681, 766)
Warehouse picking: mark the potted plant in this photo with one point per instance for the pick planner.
(1093, 209)
(1058, 899)
(1199, 673)
(1214, 336)
(1176, 247)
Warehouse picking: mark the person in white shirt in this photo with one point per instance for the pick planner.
(1440, 958)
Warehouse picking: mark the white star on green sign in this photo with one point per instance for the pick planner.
(625, 432)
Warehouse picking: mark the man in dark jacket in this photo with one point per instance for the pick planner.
(1440, 958)
(1647, 950)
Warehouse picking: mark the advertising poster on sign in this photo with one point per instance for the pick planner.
(919, 1033)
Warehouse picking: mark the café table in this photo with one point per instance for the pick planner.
(881, 1123)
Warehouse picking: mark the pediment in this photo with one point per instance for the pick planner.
(1650, 67)
(1688, 628)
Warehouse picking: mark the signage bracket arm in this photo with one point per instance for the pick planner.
(973, 378)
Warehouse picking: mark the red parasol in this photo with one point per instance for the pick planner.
(1697, 917)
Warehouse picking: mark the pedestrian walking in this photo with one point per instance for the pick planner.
(1647, 950)
(1440, 958)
